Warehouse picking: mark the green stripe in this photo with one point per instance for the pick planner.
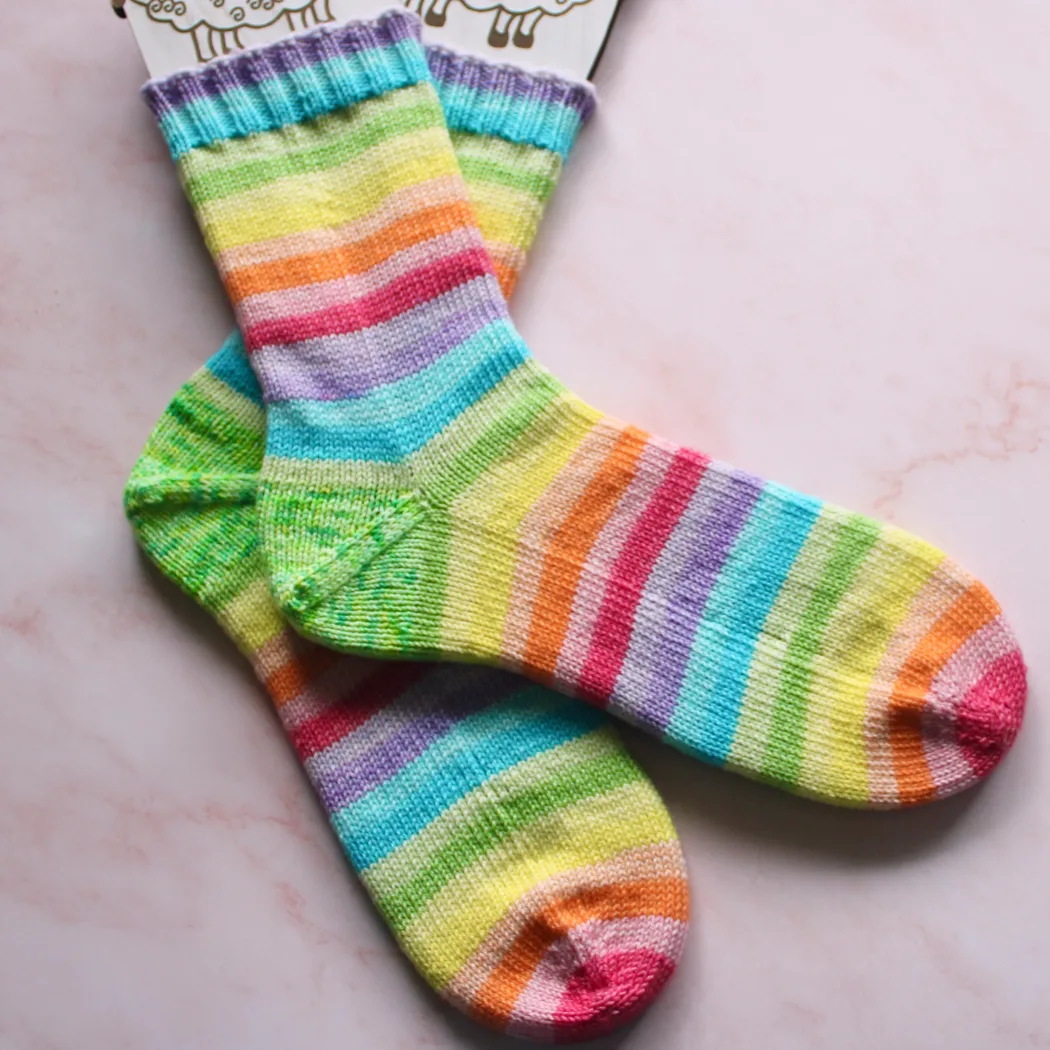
(330, 148)
(787, 734)
(199, 434)
(486, 160)
(496, 821)
(497, 441)
(513, 423)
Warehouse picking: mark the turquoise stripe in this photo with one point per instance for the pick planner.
(230, 365)
(532, 122)
(399, 401)
(374, 428)
(294, 96)
(708, 705)
(477, 749)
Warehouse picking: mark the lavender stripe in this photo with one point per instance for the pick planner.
(257, 65)
(439, 710)
(701, 543)
(338, 367)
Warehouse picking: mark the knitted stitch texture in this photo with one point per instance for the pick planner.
(429, 490)
(504, 834)
(524, 863)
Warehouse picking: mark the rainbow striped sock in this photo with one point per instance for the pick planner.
(524, 863)
(438, 779)
(430, 490)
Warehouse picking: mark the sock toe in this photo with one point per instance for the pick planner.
(958, 701)
(596, 977)
(584, 952)
(990, 712)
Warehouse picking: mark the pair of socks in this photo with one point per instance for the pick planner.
(524, 863)
(430, 491)
(425, 489)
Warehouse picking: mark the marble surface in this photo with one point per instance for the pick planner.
(810, 238)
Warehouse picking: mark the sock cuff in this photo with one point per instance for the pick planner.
(486, 98)
(289, 81)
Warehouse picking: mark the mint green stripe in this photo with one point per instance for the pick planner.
(497, 820)
(338, 147)
(488, 170)
(787, 734)
(494, 443)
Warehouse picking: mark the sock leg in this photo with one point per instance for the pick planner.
(430, 490)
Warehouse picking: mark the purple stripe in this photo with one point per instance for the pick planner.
(257, 65)
(428, 714)
(338, 367)
(721, 507)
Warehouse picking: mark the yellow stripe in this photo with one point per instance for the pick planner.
(445, 190)
(321, 130)
(505, 215)
(835, 752)
(547, 514)
(480, 574)
(457, 920)
(662, 861)
(301, 203)
(252, 617)
(941, 590)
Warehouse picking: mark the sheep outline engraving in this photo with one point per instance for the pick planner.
(217, 32)
(514, 19)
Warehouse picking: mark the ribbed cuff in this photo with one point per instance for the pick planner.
(292, 80)
(539, 109)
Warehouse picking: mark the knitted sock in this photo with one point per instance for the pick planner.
(523, 862)
(430, 490)
(438, 780)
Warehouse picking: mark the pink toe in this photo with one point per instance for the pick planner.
(989, 715)
(607, 992)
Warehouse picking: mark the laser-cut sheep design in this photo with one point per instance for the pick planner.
(215, 25)
(514, 19)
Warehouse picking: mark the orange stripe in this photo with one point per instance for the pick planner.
(967, 615)
(353, 258)
(505, 274)
(296, 673)
(665, 897)
(568, 549)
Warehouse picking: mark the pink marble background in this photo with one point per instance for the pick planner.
(811, 238)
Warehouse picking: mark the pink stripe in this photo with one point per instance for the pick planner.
(607, 992)
(350, 711)
(612, 631)
(322, 295)
(383, 304)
